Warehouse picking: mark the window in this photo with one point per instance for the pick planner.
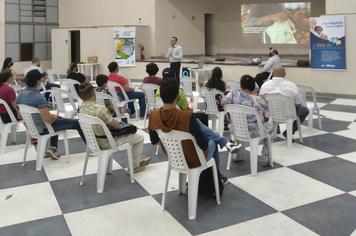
(28, 25)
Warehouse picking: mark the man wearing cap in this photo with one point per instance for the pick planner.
(32, 97)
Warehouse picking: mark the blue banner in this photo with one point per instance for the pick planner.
(327, 42)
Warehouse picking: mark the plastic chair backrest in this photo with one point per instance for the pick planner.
(150, 94)
(233, 84)
(188, 86)
(282, 108)
(172, 142)
(86, 123)
(239, 120)
(9, 111)
(112, 85)
(302, 90)
(27, 113)
(101, 97)
(59, 100)
(210, 101)
(71, 88)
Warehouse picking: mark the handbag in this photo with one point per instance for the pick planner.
(125, 129)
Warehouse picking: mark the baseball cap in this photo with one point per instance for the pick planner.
(32, 77)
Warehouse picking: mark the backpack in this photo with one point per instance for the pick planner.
(206, 183)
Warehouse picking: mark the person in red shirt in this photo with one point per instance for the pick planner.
(131, 93)
(8, 94)
(152, 70)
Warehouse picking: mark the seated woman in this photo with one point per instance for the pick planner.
(8, 94)
(7, 65)
(248, 97)
(152, 70)
(72, 73)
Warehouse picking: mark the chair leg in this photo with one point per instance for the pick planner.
(145, 118)
(289, 133)
(275, 128)
(137, 109)
(229, 161)
(41, 148)
(213, 121)
(3, 137)
(85, 166)
(269, 147)
(66, 148)
(253, 155)
(319, 117)
(110, 164)
(28, 140)
(182, 182)
(310, 118)
(157, 148)
(13, 133)
(221, 123)
(164, 196)
(102, 165)
(216, 184)
(193, 184)
(130, 161)
(300, 130)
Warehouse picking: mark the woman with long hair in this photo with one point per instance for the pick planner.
(8, 94)
(7, 65)
(216, 82)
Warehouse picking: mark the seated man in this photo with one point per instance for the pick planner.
(152, 70)
(273, 60)
(131, 93)
(170, 118)
(31, 97)
(36, 65)
(89, 107)
(248, 97)
(102, 82)
(287, 88)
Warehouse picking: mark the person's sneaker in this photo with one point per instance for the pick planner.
(139, 169)
(52, 153)
(145, 161)
(225, 180)
(233, 147)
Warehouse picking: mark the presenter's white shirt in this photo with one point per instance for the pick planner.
(32, 67)
(271, 62)
(175, 53)
(281, 86)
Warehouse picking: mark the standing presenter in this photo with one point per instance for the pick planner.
(175, 56)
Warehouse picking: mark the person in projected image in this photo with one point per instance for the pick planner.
(318, 31)
(279, 29)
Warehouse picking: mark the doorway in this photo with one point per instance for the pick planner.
(209, 23)
(75, 46)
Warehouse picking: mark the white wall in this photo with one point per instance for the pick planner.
(2, 29)
(341, 6)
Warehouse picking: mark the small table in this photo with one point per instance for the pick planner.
(93, 68)
(202, 75)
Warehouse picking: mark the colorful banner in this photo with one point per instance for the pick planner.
(124, 46)
(327, 38)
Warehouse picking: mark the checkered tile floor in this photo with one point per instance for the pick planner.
(310, 191)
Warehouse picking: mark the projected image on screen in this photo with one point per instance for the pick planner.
(277, 23)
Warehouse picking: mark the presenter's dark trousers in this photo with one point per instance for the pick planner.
(175, 69)
(261, 78)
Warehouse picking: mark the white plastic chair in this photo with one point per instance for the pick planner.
(239, 125)
(53, 76)
(282, 109)
(100, 99)
(70, 110)
(27, 114)
(233, 85)
(105, 160)
(187, 84)
(302, 90)
(172, 142)
(6, 128)
(151, 100)
(212, 108)
(70, 84)
(111, 87)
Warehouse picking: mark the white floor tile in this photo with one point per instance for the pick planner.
(344, 101)
(27, 203)
(306, 131)
(353, 193)
(350, 132)
(61, 169)
(275, 224)
(284, 188)
(142, 216)
(153, 178)
(14, 154)
(349, 157)
(336, 115)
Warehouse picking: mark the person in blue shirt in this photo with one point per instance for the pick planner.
(32, 97)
